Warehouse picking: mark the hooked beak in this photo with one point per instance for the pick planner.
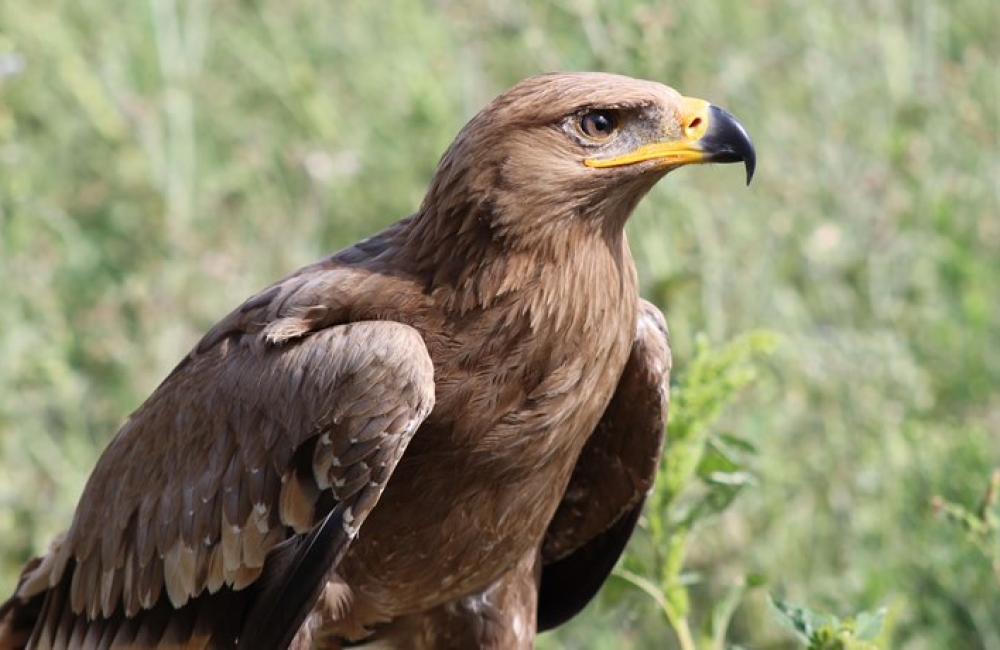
(709, 134)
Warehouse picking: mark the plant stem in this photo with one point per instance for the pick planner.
(677, 622)
(683, 631)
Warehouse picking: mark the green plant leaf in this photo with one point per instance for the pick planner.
(802, 620)
(868, 625)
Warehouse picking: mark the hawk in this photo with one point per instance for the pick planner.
(439, 437)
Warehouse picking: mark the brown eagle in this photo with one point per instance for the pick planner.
(440, 437)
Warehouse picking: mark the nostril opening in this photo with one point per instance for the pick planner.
(695, 123)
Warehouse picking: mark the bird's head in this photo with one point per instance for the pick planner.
(581, 146)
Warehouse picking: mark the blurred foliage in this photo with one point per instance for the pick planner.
(826, 632)
(701, 473)
(981, 525)
(161, 159)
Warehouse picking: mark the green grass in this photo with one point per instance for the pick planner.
(160, 160)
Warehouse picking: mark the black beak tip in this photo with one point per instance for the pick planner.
(750, 163)
(727, 141)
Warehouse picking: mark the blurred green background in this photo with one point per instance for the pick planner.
(161, 159)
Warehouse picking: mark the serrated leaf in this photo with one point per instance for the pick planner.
(802, 620)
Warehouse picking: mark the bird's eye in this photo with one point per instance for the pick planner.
(598, 125)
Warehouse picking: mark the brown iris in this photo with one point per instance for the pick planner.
(598, 125)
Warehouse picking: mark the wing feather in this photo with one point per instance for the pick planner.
(221, 467)
(612, 477)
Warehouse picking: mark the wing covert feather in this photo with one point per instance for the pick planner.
(230, 456)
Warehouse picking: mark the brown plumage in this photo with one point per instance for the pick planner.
(439, 437)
